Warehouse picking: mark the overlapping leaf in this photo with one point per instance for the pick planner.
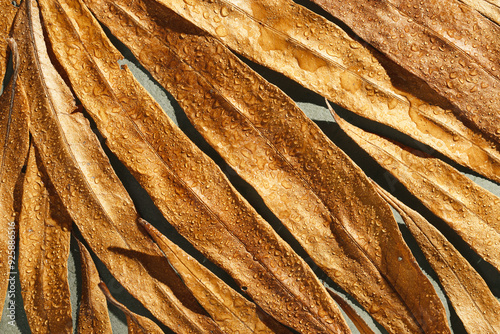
(232, 311)
(451, 70)
(489, 8)
(469, 294)
(91, 192)
(256, 128)
(14, 143)
(44, 238)
(473, 212)
(189, 189)
(322, 57)
(93, 314)
(137, 324)
(7, 12)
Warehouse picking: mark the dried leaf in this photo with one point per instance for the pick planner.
(489, 8)
(7, 13)
(233, 312)
(93, 317)
(137, 324)
(473, 212)
(190, 190)
(468, 84)
(356, 319)
(91, 191)
(469, 294)
(322, 57)
(44, 240)
(260, 133)
(14, 143)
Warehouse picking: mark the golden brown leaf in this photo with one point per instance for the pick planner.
(44, 239)
(469, 294)
(91, 191)
(260, 133)
(356, 319)
(93, 317)
(322, 57)
(137, 324)
(14, 141)
(473, 212)
(7, 13)
(233, 312)
(447, 67)
(190, 190)
(489, 8)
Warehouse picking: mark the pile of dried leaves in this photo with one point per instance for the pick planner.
(431, 72)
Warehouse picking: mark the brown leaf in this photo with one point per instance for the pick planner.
(473, 212)
(467, 83)
(44, 240)
(7, 13)
(93, 317)
(267, 139)
(469, 294)
(14, 141)
(137, 324)
(91, 191)
(322, 57)
(489, 8)
(189, 188)
(233, 312)
(356, 319)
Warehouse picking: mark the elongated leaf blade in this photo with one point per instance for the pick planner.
(473, 212)
(322, 57)
(188, 187)
(249, 134)
(91, 191)
(93, 314)
(233, 312)
(14, 141)
(425, 52)
(469, 294)
(44, 240)
(137, 324)
(490, 9)
(7, 13)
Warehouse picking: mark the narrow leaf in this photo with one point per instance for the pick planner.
(469, 294)
(473, 212)
(263, 135)
(444, 64)
(7, 13)
(322, 57)
(137, 324)
(93, 317)
(356, 319)
(233, 312)
(44, 240)
(14, 141)
(489, 8)
(187, 186)
(91, 191)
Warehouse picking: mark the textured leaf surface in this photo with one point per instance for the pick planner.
(233, 312)
(259, 132)
(473, 212)
(489, 8)
(7, 13)
(320, 56)
(444, 65)
(189, 189)
(93, 314)
(89, 189)
(469, 294)
(14, 141)
(137, 324)
(44, 238)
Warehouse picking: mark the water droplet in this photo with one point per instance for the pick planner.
(221, 31)
(224, 11)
